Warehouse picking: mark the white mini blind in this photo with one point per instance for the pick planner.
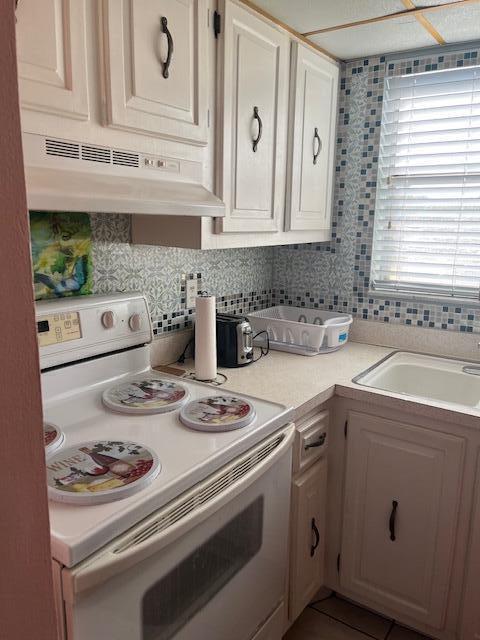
(427, 212)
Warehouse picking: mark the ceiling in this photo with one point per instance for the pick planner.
(441, 22)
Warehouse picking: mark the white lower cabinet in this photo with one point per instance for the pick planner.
(402, 496)
(307, 551)
(471, 612)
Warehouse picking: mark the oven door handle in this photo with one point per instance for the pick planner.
(142, 541)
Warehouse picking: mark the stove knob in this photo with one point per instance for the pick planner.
(108, 319)
(135, 321)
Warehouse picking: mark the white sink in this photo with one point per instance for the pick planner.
(428, 377)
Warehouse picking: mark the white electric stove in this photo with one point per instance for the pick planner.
(169, 498)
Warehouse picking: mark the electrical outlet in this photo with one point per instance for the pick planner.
(191, 291)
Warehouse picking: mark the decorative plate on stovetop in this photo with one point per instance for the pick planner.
(150, 395)
(218, 413)
(100, 471)
(53, 437)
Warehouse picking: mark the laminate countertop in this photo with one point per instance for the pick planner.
(305, 382)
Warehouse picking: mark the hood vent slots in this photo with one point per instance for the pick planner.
(125, 159)
(96, 154)
(91, 153)
(62, 148)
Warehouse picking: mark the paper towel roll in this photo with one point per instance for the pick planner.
(205, 338)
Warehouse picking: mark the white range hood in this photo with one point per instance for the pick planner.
(64, 175)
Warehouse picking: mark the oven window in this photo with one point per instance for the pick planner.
(170, 603)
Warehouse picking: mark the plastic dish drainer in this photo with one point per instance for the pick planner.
(303, 331)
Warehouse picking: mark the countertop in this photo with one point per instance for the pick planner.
(304, 383)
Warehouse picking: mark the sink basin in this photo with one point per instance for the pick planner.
(431, 377)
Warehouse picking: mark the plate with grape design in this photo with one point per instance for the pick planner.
(218, 413)
(53, 437)
(100, 471)
(151, 395)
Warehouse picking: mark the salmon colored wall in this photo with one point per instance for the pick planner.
(26, 590)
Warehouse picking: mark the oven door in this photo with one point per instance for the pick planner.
(210, 565)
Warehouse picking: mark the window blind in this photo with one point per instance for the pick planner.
(427, 211)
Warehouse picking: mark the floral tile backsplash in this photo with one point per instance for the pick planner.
(240, 278)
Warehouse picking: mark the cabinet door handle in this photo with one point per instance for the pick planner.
(391, 522)
(317, 443)
(256, 116)
(165, 30)
(316, 138)
(316, 533)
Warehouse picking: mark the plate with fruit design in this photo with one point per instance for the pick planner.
(151, 395)
(218, 413)
(100, 471)
(53, 437)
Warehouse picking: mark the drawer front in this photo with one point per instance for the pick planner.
(311, 441)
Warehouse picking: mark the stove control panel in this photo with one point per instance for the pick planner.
(58, 327)
(72, 329)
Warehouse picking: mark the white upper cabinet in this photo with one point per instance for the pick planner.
(52, 60)
(156, 68)
(313, 112)
(253, 96)
(402, 494)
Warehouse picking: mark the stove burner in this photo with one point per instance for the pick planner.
(100, 471)
(53, 437)
(151, 395)
(218, 413)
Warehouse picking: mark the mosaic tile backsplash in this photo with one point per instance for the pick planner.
(240, 278)
(335, 275)
(332, 275)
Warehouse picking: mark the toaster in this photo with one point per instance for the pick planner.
(234, 341)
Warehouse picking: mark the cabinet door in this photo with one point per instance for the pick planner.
(52, 61)
(471, 613)
(402, 493)
(313, 119)
(308, 536)
(253, 83)
(155, 67)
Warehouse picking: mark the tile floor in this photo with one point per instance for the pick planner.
(336, 619)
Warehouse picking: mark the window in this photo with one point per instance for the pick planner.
(427, 213)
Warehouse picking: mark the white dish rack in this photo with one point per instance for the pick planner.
(304, 331)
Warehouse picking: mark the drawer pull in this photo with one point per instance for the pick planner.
(318, 443)
(166, 64)
(316, 533)
(391, 522)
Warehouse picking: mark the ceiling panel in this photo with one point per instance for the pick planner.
(457, 25)
(308, 15)
(399, 34)
(431, 3)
